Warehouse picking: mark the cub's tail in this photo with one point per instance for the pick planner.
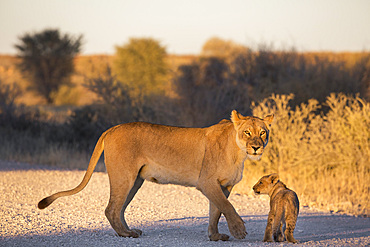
(99, 147)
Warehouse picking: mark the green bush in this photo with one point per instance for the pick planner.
(141, 66)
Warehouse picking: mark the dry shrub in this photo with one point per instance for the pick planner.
(324, 158)
(66, 95)
(119, 107)
(8, 96)
(25, 147)
(208, 91)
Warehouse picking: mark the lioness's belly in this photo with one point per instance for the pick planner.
(170, 174)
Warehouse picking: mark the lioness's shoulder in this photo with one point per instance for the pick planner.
(219, 131)
(223, 124)
(225, 121)
(220, 126)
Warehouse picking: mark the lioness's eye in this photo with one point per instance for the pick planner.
(247, 132)
(263, 132)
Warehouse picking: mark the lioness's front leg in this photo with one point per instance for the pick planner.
(212, 190)
(214, 217)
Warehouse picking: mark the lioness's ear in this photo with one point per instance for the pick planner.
(274, 178)
(268, 120)
(235, 116)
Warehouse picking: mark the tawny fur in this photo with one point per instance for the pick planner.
(284, 209)
(210, 159)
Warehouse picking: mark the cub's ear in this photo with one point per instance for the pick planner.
(268, 120)
(274, 178)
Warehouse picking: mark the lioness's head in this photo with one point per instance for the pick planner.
(252, 133)
(265, 184)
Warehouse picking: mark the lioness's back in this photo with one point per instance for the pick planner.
(154, 136)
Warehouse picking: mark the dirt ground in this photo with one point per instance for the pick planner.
(169, 215)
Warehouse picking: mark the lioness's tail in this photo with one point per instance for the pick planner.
(99, 147)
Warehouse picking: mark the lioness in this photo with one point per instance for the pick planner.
(284, 208)
(210, 159)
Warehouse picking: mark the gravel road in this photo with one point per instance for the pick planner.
(169, 215)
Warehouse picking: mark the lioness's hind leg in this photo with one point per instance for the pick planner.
(120, 187)
(138, 183)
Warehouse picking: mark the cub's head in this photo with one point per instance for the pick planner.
(252, 133)
(265, 184)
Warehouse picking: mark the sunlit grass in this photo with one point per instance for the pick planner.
(324, 158)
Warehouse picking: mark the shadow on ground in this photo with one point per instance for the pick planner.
(192, 231)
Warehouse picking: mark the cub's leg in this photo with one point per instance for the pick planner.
(268, 231)
(291, 221)
(277, 225)
(121, 184)
(214, 217)
(280, 233)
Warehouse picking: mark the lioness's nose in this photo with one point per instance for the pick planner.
(255, 148)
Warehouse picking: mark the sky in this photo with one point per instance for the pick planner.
(184, 26)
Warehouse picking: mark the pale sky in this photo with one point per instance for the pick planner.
(183, 26)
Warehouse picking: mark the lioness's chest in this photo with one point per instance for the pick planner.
(233, 176)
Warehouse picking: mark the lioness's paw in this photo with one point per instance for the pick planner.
(130, 234)
(134, 233)
(218, 236)
(237, 229)
(140, 232)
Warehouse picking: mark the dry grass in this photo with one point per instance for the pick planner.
(25, 147)
(324, 158)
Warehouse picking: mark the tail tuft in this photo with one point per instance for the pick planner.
(45, 202)
(99, 147)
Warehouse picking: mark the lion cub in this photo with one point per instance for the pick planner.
(284, 209)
